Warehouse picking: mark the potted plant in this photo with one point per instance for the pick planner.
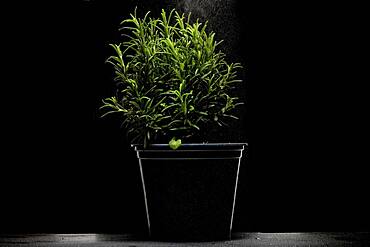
(174, 84)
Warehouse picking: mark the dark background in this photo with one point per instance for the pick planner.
(65, 170)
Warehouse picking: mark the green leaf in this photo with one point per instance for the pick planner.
(174, 144)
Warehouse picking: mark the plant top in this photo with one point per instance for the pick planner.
(173, 82)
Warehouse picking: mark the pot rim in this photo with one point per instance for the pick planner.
(192, 146)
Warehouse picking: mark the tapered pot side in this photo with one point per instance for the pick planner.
(190, 192)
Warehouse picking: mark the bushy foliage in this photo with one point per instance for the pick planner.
(172, 80)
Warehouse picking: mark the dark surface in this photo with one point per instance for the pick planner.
(63, 169)
(315, 239)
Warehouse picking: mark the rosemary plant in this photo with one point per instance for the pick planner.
(172, 80)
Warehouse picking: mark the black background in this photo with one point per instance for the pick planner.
(65, 170)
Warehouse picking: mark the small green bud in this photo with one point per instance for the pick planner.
(174, 144)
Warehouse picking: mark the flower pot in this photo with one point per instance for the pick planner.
(190, 192)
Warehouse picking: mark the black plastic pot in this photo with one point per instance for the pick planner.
(190, 192)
